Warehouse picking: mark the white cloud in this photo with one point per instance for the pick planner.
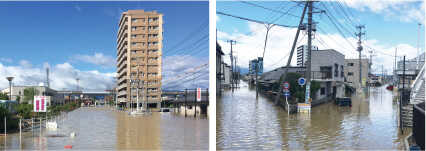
(406, 11)
(62, 76)
(25, 64)
(180, 70)
(96, 59)
(280, 40)
(6, 60)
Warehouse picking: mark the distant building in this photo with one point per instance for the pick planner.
(411, 70)
(302, 54)
(219, 69)
(18, 91)
(226, 77)
(352, 72)
(252, 66)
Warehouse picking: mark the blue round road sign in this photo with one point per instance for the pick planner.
(301, 81)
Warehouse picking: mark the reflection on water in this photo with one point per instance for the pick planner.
(105, 129)
(246, 123)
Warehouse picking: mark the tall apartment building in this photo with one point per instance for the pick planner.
(139, 51)
(302, 54)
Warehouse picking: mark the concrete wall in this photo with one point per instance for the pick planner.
(352, 66)
(328, 57)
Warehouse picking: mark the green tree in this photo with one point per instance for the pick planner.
(29, 94)
(3, 96)
(24, 110)
(298, 91)
(18, 98)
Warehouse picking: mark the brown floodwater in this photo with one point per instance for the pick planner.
(105, 129)
(244, 123)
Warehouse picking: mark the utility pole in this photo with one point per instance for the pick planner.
(268, 27)
(359, 49)
(77, 79)
(308, 67)
(232, 42)
(283, 76)
(395, 68)
(418, 46)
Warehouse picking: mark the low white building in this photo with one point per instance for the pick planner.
(18, 93)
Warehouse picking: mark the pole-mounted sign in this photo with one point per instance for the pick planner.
(286, 85)
(301, 81)
(40, 103)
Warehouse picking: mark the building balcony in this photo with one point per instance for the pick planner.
(322, 75)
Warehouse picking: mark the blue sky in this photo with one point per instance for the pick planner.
(389, 25)
(34, 34)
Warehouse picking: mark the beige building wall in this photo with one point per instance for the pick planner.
(352, 71)
(139, 52)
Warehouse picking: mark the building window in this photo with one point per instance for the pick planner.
(322, 91)
(134, 20)
(134, 36)
(133, 59)
(336, 70)
(350, 64)
(342, 73)
(134, 28)
(153, 50)
(350, 73)
(134, 43)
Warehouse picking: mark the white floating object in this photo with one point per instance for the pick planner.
(52, 125)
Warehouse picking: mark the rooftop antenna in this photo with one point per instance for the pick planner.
(77, 79)
(47, 77)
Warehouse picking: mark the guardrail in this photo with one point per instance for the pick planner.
(417, 84)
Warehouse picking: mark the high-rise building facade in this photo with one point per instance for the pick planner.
(302, 55)
(139, 51)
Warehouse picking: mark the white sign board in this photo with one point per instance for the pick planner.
(198, 94)
(303, 107)
(40, 103)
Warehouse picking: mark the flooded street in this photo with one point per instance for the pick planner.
(246, 123)
(105, 129)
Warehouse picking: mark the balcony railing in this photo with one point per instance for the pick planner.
(323, 75)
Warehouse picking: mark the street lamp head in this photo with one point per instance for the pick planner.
(9, 78)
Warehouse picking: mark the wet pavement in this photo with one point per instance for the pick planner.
(105, 129)
(246, 123)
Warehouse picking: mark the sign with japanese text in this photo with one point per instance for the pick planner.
(40, 103)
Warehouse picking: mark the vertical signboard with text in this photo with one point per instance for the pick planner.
(40, 103)
(198, 94)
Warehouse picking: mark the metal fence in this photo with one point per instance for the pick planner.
(419, 124)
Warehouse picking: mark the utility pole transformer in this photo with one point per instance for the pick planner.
(359, 49)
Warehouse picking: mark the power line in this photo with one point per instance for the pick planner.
(273, 10)
(253, 20)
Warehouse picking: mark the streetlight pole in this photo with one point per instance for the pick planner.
(10, 86)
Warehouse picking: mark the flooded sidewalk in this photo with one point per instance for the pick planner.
(246, 123)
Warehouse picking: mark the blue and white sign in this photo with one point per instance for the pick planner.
(301, 81)
(287, 93)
